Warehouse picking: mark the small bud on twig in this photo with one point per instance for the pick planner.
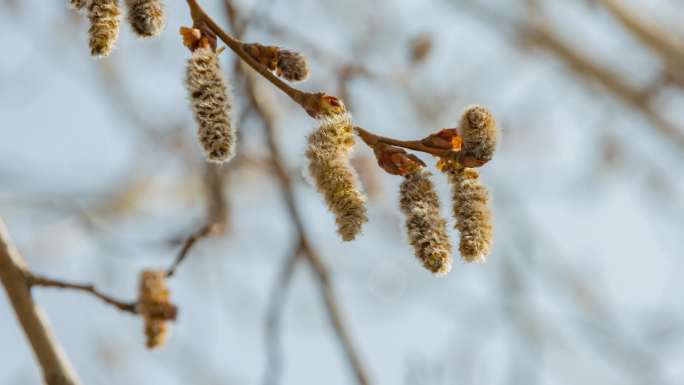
(104, 26)
(395, 160)
(445, 139)
(425, 226)
(287, 64)
(154, 306)
(146, 17)
(77, 4)
(329, 166)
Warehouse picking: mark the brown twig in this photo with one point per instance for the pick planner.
(372, 140)
(37, 280)
(57, 369)
(203, 232)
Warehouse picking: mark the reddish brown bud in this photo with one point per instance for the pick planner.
(395, 160)
(195, 38)
(445, 139)
(319, 105)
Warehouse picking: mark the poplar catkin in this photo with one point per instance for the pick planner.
(146, 17)
(471, 212)
(104, 26)
(154, 306)
(327, 151)
(425, 227)
(478, 128)
(211, 105)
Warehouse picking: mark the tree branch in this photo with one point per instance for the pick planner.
(57, 369)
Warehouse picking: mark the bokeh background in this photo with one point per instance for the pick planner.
(101, 176)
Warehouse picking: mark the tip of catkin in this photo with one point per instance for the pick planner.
(104, 26)
(292, 66)
(425, 227)
(471, 212)
(211, 105)
(327, 151)
(478, 128)
(154, 306)
(146, 17)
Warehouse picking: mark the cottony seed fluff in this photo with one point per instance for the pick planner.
(478, 128)
(327, 152)
(425, 227)
(211, 105)
(154, 306)
(146, 17)
(471, 212)
(104, 26)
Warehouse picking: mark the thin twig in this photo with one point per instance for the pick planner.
(203, 232)
(36, 280)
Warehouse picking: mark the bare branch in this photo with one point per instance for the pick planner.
(57, 369)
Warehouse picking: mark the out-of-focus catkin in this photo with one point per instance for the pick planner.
(146, 17)
(211, 105)
(478, 128)
(425, 227)
(328, 150)
(104, 26)
(154, 306)
(471, 212)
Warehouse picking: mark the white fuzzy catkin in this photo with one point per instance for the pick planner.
(471, 212)
(146, 17)
(425, 227)
(328, 154)
(211, 105)
(104, 18)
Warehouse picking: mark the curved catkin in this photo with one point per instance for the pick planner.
(471, 212)
(146, 17)
(104, 26)
(327, 152)
(154, 306)
(425, 227)
(478, 128)
(211, 105)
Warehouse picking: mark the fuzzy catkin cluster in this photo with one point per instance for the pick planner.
(327, 151)
(425, 227)
(211, 105)
(471, 212)
(104, 26)
(479, 132)
(154, 306)
(146, 17)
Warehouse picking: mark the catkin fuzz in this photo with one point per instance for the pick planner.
(211, 105)
(146, 17)
(154, 306)
(425, 227)
(327, 151)
(478, 128)
(471, 212)
(77, 4)
(104, 26)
